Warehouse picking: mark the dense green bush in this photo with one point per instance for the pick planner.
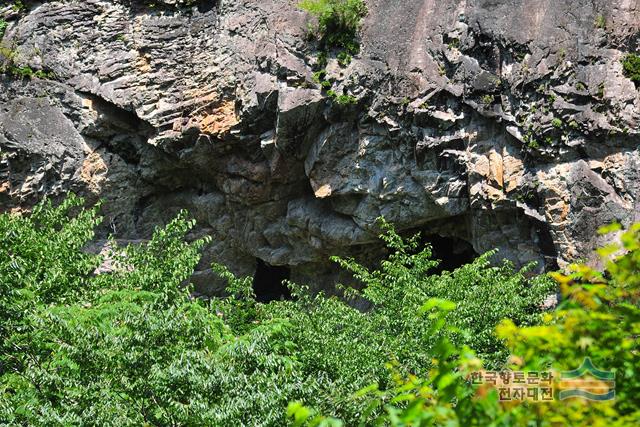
(131, 347)
(341, 349)
(124, 348)
(631, 66)
(599, 319)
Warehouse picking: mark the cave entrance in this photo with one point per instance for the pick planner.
(267, 282)
(451, 251)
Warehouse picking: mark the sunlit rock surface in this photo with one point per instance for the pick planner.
(502, 124)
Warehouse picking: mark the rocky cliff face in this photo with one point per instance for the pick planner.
(488, 124)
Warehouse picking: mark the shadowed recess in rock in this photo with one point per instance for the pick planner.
(451, 251)
(268, 282)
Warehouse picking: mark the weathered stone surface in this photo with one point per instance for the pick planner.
(505, 124)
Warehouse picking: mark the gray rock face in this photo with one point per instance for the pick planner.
(505, 124)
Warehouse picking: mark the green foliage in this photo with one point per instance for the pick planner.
(19, 5)
(556, 123)
(131, 347)
(398, 327)
(41, 262)
(344, 58)
(484, 294)
(488, 99)
(320, 78)
(3, 27)
(445, 398)
(599, 318)
(345, 99)
(339, 99)
(338, 21)
(600, 22)
(124, 348)
(26, 72)
(337, 28)
(631, 66)
(10, 68)
(454, 44)
(562, 53)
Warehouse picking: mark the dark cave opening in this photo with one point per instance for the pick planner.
(268, 282)
(451, 251)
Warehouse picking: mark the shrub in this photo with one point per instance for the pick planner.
(338, 21)
(339, 350)
(445, 398)
(484, 293)
(344, 58)
(131, 347)
(345, 99)
(631, 66)
(599, 319)
(488, 99)
(27, 72)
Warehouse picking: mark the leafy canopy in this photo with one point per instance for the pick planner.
(129, 346)
(599, 318)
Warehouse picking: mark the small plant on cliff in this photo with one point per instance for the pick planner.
(338, 22)
(488, 99)
(345, 99)
(26, 72)
(600, 22)
(631, 66)
(3, 27)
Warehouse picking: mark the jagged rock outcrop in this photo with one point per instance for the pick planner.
(505, 125)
